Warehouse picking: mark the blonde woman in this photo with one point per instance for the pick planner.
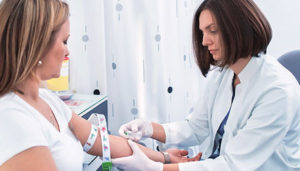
(37, 130)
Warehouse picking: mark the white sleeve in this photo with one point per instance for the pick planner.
(63, 108)
(177, 134)
(18, 132)
(192, 131)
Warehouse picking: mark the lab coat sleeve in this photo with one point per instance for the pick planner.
(249, 147)
(178, 133)
(192, 131)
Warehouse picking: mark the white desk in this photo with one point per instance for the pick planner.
(82, 104)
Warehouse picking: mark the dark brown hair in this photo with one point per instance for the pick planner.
(243, 28)
(27, 30)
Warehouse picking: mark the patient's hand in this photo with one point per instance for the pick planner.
(180, 156)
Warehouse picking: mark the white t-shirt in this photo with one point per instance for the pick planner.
(23, 127)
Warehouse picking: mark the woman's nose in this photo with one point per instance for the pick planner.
(206, 40)
(67, 53)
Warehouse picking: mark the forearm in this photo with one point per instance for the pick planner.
(153, 155)
(158, 132)
(119, 147)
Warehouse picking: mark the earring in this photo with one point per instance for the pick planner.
(40, 62)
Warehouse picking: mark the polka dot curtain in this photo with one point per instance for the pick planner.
(151, 72)
(139, 54)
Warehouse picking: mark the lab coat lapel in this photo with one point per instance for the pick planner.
(222, 101)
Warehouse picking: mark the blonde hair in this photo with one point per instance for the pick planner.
(27, 30)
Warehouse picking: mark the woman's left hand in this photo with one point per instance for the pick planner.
(180, 156)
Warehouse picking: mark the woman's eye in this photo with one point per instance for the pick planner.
(213, 31)
(66, 42)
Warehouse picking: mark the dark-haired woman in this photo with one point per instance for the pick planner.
(249, 116)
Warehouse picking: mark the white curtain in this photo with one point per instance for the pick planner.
(87, 46)
(151, 71)
(139, 54)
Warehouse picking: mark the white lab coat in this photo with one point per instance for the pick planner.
(263, 127)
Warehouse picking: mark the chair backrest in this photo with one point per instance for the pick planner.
(291, 61)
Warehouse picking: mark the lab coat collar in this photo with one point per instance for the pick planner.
(251, 69)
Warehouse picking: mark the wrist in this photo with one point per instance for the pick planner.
(166, 156)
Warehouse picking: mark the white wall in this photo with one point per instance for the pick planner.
(284, 17)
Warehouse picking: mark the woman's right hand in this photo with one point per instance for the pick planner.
(180, 156)
(136, 129)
